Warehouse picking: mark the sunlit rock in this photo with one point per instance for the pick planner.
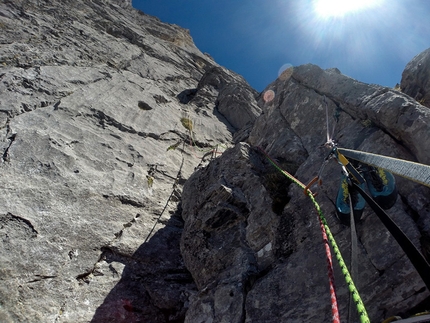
(134, 184)
(416, 78)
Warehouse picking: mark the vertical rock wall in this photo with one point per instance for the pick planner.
(252, 240)
(415, 78)
(105, 114)
(96, 143)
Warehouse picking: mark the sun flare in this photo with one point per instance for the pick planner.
(340, 8)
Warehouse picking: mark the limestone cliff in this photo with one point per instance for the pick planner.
(252, 241)
(104, 113)
(416, 78)
(131, 189)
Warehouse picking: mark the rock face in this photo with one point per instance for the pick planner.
(252, 241)
(416, 78)
(96, 144)
(132, 188)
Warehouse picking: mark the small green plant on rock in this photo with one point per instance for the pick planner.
(150, 180)
(175, 145)
(211, 151)
(367, 123)
(397, 87)
(187, 123)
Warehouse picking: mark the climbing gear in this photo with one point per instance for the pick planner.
(416, 172)
(356, 179)
(354, 257)
(328, 237)
(381, 185)
(347, 167)
(376, 173)
(343, 205)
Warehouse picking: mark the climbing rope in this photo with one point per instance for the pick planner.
(174, 186)
(327, 235)
(414, 171)
(334, 307)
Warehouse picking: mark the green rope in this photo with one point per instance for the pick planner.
(351, 286)
(364, 318)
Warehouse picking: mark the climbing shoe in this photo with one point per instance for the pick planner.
(343, 209)
(381, 186)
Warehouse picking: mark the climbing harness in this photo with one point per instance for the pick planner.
(328, 237)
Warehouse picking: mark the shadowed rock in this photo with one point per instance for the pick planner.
(283, 274)
(132, 188)
(93, 159)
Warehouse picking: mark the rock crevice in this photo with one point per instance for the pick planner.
(90, 119)
(291, 128)
(133, 186)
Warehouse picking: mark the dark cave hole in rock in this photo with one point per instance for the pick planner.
(144, 106)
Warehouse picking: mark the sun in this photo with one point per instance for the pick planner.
(340, 8)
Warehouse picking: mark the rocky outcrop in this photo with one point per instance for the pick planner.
(252, 241)
(95, 146)
(416, 78)
(132, 188)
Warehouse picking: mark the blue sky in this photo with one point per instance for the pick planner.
(255, 38)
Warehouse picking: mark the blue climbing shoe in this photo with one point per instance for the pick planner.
(381, 185)
(343, 209)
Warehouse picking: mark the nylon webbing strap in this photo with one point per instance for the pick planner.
(354, 256)
(416, 258)
(416, 172)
